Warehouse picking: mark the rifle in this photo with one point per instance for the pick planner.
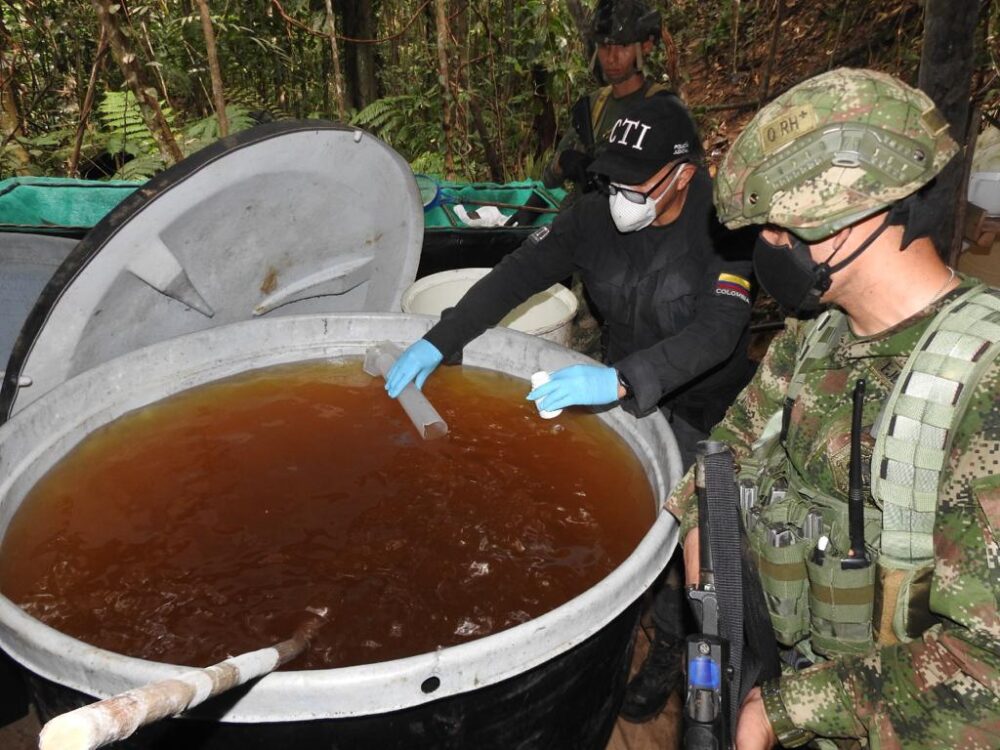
(706, 702)
(580, 116)
(736, 648)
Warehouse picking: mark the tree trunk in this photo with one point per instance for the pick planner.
(145, 95)
(544, 122)
(492, 158)
(159, 68)
(736, 36)
(361, 62)
(765, 82)
(338, 80)
(671, 61)
(445, 80)
(218, 97)
(579, 17)
(88, 103)
(962, 209)
(946, 75)
(10, 116)
(580, 20)
(10, 126)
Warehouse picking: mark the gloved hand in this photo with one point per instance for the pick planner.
(573, 165)
(418, 361)
(577, 385)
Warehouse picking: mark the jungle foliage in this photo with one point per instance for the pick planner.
(490, 107)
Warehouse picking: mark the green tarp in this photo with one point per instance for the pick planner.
(63, 206)
(440, 214)
(57, 205)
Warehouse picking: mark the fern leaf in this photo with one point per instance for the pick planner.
(141, 168)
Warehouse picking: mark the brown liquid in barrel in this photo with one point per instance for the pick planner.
(204, 525)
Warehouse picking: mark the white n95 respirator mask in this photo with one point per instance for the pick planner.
(632, 210)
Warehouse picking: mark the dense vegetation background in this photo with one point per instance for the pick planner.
(474, 89)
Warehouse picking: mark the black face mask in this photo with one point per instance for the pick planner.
(793, 278)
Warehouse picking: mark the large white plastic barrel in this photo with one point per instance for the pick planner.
(548, 314)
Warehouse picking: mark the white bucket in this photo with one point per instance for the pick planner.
(548, 314)
(984, 191)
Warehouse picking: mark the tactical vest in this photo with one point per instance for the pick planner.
(823, 610)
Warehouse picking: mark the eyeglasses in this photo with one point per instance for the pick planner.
(606, 187)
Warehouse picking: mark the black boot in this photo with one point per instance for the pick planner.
(659, 676)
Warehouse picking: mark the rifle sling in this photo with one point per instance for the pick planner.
(742, 609)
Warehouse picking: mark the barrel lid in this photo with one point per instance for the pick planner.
(286, 218)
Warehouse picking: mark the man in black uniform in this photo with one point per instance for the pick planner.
(673, 288)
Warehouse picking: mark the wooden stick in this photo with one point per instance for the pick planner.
(218, 94)
(536, 209)
(120, 716)
(88, 102)
(110, 15)
(765, 83)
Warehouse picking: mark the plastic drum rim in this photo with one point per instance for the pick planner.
(45, 430)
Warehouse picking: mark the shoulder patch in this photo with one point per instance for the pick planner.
(539, 234)
(730, 285)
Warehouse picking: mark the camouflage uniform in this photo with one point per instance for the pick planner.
(942, 688)
(940, 691)
(615, 22)
(605, 110)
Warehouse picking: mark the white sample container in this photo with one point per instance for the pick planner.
(548, 314)
(541, 378)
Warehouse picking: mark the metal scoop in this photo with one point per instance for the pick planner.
(379, 359)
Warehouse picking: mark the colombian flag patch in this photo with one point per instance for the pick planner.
(729, 285)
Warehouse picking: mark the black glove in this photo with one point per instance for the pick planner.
(573, 165)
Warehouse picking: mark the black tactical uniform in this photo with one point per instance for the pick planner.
(675, 332)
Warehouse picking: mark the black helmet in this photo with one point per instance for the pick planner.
(623, 22)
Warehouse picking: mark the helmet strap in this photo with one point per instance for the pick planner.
(824, 270)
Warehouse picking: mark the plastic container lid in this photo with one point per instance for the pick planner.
(285, 218)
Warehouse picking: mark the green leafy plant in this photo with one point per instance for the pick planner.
(202, 132)
(406, 122)
(140, 168)
(127, 132)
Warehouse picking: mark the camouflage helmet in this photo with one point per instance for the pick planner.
(830, 152)
(623, 22)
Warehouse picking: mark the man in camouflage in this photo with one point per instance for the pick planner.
(623, 33)
(833, 170)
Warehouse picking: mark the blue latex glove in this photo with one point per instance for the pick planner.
(419, 360)
(577, 385)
